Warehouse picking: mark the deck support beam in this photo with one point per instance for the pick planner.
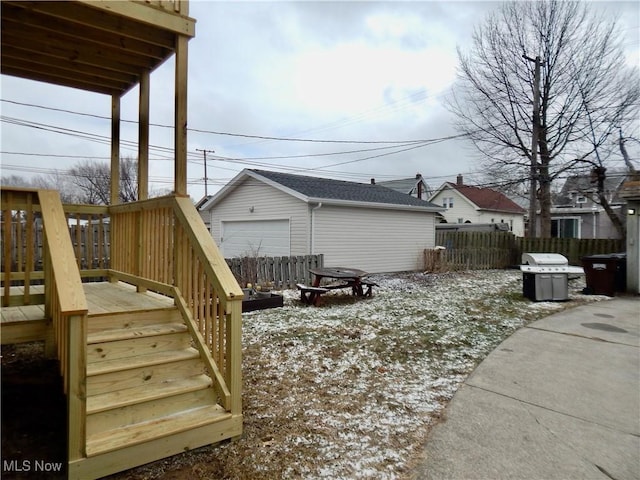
(143, 137)
(115, 150)
(182, 46)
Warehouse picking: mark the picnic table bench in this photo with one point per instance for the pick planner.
(348, 277)
(310, 295)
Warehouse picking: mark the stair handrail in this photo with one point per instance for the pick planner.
(66, 306)
(163, 241)
(217, 272)
(219, 383)
(215, 264)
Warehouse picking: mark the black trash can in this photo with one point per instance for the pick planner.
(605, 274)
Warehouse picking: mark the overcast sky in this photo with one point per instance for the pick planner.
(340, 71)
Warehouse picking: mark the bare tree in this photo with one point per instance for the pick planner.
(631, 168)
(583, 73)
(93, 180)
(54, 181)
(15, 181)
(599, 151)
(128, 180)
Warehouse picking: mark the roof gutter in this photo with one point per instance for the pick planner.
(383, 206)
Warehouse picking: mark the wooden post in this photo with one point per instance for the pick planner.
(6, 241)
(181, 116)
(143, 138)
(115, 150)
(234, 351)
(77, 386)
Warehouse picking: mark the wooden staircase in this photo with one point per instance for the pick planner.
(146, 384)
(149, 350)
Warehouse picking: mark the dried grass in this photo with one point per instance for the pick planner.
(350, 389)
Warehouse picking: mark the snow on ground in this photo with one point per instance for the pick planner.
(348, 390)
(354, 384)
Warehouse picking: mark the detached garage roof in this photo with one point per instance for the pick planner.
(329, 191)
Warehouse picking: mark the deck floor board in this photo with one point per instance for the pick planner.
(102, 297)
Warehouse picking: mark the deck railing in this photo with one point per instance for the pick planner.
(23, 242)
(162, 242)
(19, 237)
(64, 299)
(177, 6)
(89, 231)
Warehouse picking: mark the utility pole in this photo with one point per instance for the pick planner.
(204, 152)
(534, 147)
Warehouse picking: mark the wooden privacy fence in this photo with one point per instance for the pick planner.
(572, 248)
(23, 238)
(282, 272)
(489, 250)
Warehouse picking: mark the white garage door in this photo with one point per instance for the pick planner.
(268, 238)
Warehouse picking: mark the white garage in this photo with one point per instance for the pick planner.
(255, 238)
(360, 225)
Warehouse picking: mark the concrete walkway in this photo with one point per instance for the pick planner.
(559, 399)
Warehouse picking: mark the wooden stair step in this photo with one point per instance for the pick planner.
(147, 411)
(150, 359)
(132, 319)
(145, 393)
(112, 335)
(100, 352)
(123, 437)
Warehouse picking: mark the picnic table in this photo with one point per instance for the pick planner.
(352, 278)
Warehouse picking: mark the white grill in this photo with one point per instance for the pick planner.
(547, 263)
(545, 276)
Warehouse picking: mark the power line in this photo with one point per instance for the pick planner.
(215, 132)
(248, 161)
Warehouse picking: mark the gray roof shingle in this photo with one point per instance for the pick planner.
(328, 189)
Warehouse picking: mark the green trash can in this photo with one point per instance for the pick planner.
(605, 274)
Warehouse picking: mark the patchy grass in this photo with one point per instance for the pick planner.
(351, 388)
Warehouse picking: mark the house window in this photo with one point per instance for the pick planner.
(450, 202)
(447, 202)
(565, 228)
(581, 199)
(461, 220)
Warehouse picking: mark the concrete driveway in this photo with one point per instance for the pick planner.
(559, 399)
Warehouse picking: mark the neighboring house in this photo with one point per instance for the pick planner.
(471, 204)
(204, 215)
(630, 191)
(575, 214)
(358, 225)
(416, 187)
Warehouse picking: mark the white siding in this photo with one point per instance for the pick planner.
(268, 203)
(206, 217)
(374, 240)
(462, 208)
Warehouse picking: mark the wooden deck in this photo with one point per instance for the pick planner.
(102, 298)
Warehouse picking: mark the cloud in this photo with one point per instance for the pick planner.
(346, 70)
